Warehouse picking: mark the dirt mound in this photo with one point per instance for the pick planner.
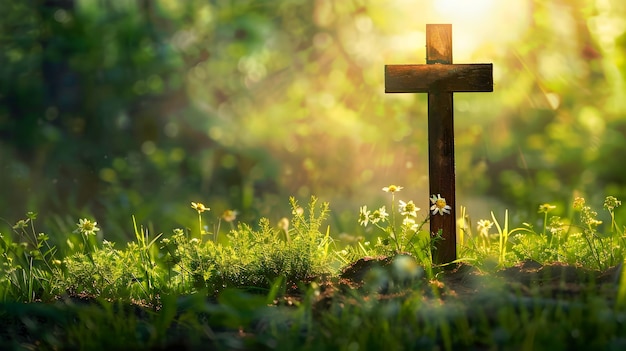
(393, 274)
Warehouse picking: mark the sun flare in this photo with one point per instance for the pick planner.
(478, 21)
(463, 9)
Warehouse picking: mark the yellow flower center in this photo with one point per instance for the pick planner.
(229, 215)
(199, 207)
(440, 203)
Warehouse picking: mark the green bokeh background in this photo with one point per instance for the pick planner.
(135, 107)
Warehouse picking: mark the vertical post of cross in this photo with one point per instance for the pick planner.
(441, 173)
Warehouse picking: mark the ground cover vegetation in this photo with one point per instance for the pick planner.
(288, 285)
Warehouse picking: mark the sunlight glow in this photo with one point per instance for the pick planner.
(463, 9)
(477, 22)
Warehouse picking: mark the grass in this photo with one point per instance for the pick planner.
(286, 286)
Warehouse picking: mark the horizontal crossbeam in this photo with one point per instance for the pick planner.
(439, 78)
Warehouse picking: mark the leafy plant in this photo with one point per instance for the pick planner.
(29, 265)
(574, 241)
(405, 237)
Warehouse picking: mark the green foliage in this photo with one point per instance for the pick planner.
(398, 238)
(256, 258)
(247, 276)
(490, 321)
(29, 265)
(245, 322)
(151, 267)
(290, 252)
(578, 240)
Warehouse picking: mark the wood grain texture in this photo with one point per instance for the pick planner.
(441, 172)
(439, 78)
(438, 43)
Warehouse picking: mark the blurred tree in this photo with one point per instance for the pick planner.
(114, 108)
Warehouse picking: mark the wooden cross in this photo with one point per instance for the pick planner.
(440, 78)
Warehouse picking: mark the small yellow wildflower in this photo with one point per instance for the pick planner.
(198, 206)
(379, 215)
(21, 224)
(364, 216)
(439, 205)
(409, 223)
(283, 224)
(408, 208)
(86, 227)
(611, 202)
(484, 224)
(483, 227)
(392, 188)
(545, 208)
(229, 215)
(579, 203)
(593, 222)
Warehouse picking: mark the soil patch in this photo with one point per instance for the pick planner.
(557, 280)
